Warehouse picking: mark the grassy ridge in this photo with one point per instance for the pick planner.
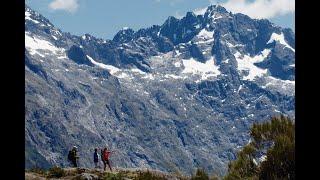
(118, 174)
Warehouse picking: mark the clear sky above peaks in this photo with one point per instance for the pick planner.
(104, 18)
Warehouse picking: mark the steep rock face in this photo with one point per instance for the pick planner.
(177, 96)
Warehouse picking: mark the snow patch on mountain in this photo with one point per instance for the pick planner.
(173, 76)
(113, 70)
(177, 53)
(177, 64)
(284, 81)
(280, 39)
(123, 73)
(232, 45)
(148, 76)
(27, 17)
(240, 87)
(34, 44)
(216, 16)
(272, 81)
(246, 63)
(284, 86)
(136, 70)
(206, 70)
(204, 34)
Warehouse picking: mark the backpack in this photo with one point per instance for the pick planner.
(70, 155)
(106, 155)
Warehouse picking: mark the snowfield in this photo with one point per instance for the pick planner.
(246, 63)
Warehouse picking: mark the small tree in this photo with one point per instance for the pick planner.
(277, 136)
(243, 167)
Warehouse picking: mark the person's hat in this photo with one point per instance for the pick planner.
(75, 147)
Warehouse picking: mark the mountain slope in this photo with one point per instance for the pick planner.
(179, 95)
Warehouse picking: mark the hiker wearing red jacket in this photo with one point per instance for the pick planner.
(105, 158)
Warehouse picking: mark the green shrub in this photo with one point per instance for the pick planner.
(56, 172)
(280, 157)
(280, 163)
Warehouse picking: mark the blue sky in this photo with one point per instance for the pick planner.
(104, 18)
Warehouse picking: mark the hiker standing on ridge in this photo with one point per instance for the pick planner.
(105, 158)
(96, 158)
(72, 156)
(101, 155)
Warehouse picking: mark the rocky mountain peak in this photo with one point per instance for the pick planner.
(124, 35)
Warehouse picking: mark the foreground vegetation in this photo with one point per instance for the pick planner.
(84, 173)
(118, 174)
(273, 140)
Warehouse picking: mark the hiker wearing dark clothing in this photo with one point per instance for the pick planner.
(96, 158)
(101, 155)
(72, 156)
(105, 158)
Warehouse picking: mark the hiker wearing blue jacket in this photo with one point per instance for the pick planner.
(96, 158)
